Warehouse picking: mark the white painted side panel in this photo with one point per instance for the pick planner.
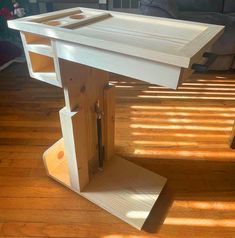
(145, 70)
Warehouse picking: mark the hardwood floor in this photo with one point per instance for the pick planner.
(182, 135)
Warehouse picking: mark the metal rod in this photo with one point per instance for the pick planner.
(100, 146)
(99, 134)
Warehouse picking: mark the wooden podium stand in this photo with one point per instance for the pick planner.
(76, 49)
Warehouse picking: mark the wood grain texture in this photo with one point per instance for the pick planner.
(59, 167)
(83, 87)
(191, 150)
(75, 146)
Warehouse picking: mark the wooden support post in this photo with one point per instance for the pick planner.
(232, 138)
(109, 121)
(83, 87)
(75, 146)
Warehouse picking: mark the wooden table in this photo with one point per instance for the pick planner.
(76, 49)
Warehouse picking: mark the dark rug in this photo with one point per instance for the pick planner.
(8, 53)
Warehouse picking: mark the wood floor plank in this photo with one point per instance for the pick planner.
(35, 191)
(70, 203)
(61, 216)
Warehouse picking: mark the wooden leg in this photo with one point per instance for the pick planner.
(83, 87)
(75, 144)
(109, 121)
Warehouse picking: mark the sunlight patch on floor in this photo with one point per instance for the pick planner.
(201, 108)
(199, 222)
(177, 127)
(204, 205)
(137, 214)
(186, 97)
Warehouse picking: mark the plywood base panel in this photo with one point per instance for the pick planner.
(122, 188)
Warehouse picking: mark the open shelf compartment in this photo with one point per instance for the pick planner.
(122, 188)
(36, 39)
(42, 67)
(38, 44)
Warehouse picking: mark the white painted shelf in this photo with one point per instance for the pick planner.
(48, 77)
(40, 48)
